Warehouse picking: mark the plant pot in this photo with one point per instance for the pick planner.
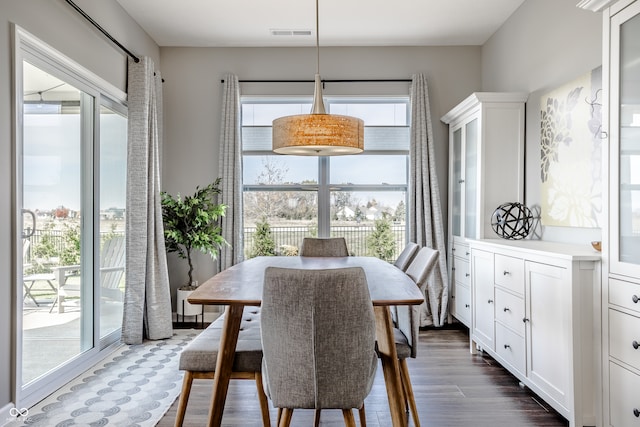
(183, 307)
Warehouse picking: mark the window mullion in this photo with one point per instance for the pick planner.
(324, 222)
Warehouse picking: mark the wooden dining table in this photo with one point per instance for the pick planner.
(241, 285)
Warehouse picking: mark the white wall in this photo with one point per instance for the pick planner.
(55, 23)
(543, 45)
(193, 94)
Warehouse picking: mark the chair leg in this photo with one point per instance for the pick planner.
(316, 418)
(184, 398)
(406, 384)
(262, 398)
(362, 416)
(279, 417)
(349, 421)
(287, 413)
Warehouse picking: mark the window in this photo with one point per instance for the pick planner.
(361, 197)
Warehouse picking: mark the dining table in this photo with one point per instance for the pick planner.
(241, 285)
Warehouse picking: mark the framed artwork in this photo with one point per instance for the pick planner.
(570, 153)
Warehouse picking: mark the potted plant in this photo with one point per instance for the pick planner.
(191, 224)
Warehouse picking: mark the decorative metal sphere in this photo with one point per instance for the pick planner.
(512, 221)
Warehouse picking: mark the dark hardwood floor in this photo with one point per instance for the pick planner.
(452, 388)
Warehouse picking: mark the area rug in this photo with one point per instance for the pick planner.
(133, 387)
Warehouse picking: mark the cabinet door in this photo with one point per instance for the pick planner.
(483, 297)
(471, 146)
(625, 141)
(457, 181)
(548, 322)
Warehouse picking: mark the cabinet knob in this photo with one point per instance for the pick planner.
(525, 320)
(460, 181)
(507, 346)
(466, 306)
(635, 299)
(635, 344)
(467, 275)
(466, 253)
(453, 269)
(453, 297)
(453, 249)
(506, 273)
(636, 412)
(506, 309)
(490, 301)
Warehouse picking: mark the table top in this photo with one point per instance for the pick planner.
(242, 283)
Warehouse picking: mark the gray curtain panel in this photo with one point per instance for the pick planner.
(425, 213)
(147, 300)
(231, 172)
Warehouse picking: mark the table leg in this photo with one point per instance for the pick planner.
(390, 365)
(60, 278)
(224, 364)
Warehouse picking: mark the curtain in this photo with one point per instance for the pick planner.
(230, 167)
(425, 214)
(147, 300)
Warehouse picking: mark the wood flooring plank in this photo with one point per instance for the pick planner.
(453, 388)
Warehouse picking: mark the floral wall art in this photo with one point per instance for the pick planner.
(570, 149)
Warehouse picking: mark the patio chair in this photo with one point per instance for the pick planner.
(112, 263)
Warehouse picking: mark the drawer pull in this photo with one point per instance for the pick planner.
(467, 275)
(489, 301)
(506, 309)
(453, 269)
(466, 253)
(466, 306)
(635, 344)
(636, 412)
(525, 320)
(506, 273)
(506, 346)
(460, 181)
(635, 299)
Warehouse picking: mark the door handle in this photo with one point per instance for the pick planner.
(31, 230)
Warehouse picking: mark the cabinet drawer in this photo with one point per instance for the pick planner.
(624, 337)
(509, 273)
(461, 251)
(462, 271)
(510, 311)
(624, 400)
(511, 347)
(462, 305)
(624, 294)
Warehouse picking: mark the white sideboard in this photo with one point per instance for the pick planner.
(536, 310)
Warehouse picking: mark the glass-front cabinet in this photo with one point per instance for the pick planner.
(621, 239)
(486, 169)
(625, 141)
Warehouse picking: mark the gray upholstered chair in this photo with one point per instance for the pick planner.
(198, 360)
(406, 256)
(408, 323)
(318, 337)
(333, 246)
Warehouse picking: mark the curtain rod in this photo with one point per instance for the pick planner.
(102, 30)
(328, 81)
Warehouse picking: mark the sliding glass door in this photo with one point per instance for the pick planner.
(71, 148)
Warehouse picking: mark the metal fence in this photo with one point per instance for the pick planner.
(57, 239)
(356, 237)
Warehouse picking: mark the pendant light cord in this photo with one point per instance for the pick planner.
(317, 40)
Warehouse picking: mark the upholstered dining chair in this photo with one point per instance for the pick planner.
(320, 247)
(318, 338)
(198, 360)
(406, 256)
(408, 323)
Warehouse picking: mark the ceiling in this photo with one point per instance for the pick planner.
(249, 23)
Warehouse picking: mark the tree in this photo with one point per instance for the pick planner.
(263, 243)
(193, 223)
(401, 212)
(381, 243)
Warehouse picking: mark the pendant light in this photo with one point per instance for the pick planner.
(318, 133)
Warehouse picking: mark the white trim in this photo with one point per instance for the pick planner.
(594, 5)
(29, 43)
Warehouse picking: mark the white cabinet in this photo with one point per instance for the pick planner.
(535, 308)
(621, 239)
(461, 277)
(486, 169)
